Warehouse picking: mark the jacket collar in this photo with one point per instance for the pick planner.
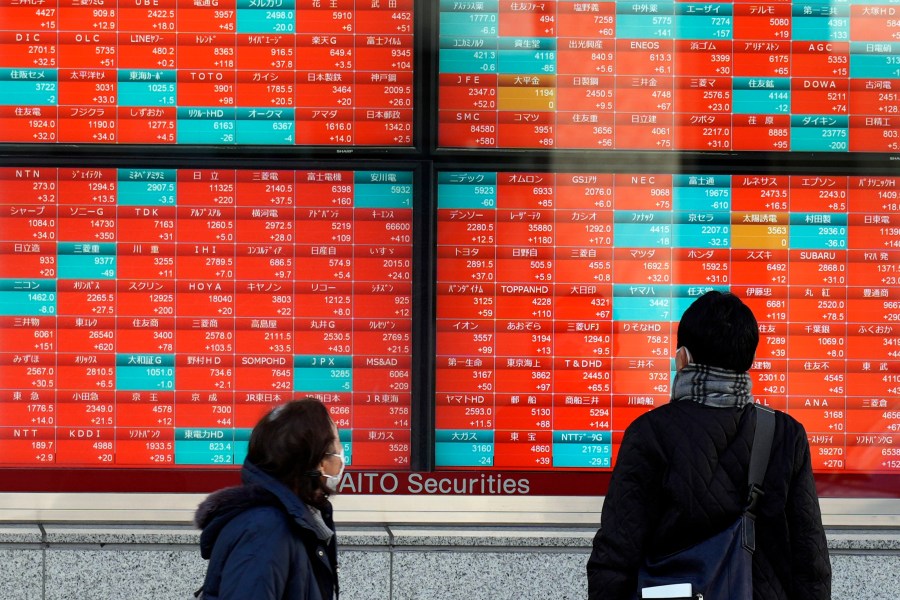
(251, 475)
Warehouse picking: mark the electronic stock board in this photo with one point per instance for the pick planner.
(553, 183)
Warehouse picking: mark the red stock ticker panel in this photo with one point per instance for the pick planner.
(294, 72)
(661, 75)
(559, 295)
(149, 317)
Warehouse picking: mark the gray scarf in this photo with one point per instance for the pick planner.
(323, 531)
(712, 386)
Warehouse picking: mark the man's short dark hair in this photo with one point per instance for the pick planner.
(720, 331)
(290, 442)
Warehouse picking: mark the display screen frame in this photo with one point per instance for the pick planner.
(59, 152)
(186, 478)
(615, 155)
(830, 484)
(425, 158)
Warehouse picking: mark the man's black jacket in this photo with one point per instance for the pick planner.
(681, 475)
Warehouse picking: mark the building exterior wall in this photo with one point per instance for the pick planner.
(93, 561)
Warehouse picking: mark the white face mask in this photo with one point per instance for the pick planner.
(333, 481)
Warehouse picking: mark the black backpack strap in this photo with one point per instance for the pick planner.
(759, 454)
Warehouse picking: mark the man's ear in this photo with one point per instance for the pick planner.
(682, 358)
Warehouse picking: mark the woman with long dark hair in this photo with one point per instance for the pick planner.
(272, 538)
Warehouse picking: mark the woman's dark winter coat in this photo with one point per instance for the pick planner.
(681, 475)
(262, 543)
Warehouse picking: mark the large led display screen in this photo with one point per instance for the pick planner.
(149, 317)
(221, 72)
(209, 207)
(770, 75)
(558, 297)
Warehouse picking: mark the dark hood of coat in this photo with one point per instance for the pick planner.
(219, 508)
(258, 489)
